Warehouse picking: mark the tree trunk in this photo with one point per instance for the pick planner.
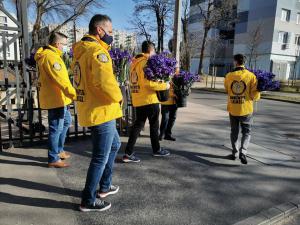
(200, 68)
(36, 27)
(162, 39)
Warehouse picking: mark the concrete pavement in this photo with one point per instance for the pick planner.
(196, 185)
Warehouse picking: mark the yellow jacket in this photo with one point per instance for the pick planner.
(98, 94)
(172, 99)
(55, 88)
(143, 91)
(241, 86)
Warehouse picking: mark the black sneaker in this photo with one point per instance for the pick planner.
(112, 190)
(160, 138)
(170, 138)
(130, 158)
(99, 205)
(161, 153)
(232, 157)
(243, 158)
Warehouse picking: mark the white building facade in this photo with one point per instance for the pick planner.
(277, 45)
(5, 21)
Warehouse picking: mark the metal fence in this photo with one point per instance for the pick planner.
(22, 122)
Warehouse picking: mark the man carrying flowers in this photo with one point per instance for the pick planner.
(241, 87)
(144, 99)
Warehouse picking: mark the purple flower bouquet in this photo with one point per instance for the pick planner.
(266, 80)
(160, 68)
(121, 60)
(182, 84)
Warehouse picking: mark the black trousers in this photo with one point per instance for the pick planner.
(150, 112)
(169, 113)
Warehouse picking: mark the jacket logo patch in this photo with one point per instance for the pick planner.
(77, 74)
(238, 87)
(57, 66)
(102, 58)
(135, 87)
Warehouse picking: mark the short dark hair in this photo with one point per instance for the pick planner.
(240, 59)
(146, 46)
(55, 36)
(98, 18)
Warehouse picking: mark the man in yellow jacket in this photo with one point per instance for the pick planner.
(55, 94)
(145, 101)
(241, 86)
(168, 113)
(99, 102)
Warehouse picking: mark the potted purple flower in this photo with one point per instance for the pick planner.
(182, 84)
(160, 67)
(121, 60)
(265, 80)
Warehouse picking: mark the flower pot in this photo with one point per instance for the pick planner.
(163, 96)
(181, 101)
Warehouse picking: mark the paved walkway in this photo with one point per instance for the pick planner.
(220, 85)
(196, 185)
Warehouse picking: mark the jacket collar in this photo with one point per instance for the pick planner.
(54, 49)
(96, 39)
(239, 68)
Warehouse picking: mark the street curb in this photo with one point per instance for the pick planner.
(274, 215)
(263, 96)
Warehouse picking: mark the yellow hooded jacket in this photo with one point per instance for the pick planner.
(98, 94)
(143, 91)
(241, 86)
(55, 88)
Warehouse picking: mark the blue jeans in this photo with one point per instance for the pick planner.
(106, 144)
(59, 120)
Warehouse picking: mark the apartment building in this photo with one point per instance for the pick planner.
(267, 32)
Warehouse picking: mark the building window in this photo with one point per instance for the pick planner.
(297, 39)
(285, 15)
(298, 18)
(3, 21)
(283, 37)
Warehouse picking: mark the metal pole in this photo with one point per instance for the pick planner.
(177, 31)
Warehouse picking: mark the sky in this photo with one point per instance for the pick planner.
(118, 10)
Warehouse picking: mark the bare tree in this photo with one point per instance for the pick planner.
(255, 39)
(65, 10)
(216, 45)
(214, 13)
(141, 27)
(186, 55)
(161, 9)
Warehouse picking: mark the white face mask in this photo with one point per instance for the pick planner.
(65, 49)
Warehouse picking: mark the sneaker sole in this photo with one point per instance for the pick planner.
(94, 210)
(108, 193)
(161, 155)
(130, 161)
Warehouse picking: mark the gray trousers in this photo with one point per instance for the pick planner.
(245, 122)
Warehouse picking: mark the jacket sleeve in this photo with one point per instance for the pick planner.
(226, 84)
(255, 94)
(103, 78)
(155, 85)
(58, 73)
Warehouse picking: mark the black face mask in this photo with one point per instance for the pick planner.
(107, 38)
